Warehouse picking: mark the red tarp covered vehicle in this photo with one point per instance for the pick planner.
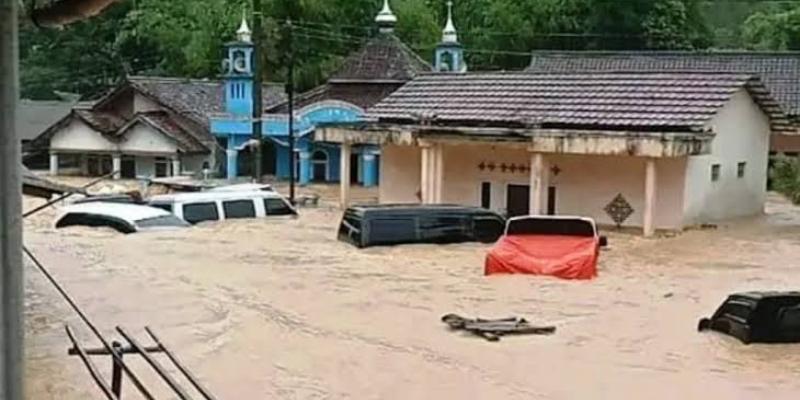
(565, 247)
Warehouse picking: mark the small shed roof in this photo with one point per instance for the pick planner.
(639, 101)
(33, 185)
(33, 117)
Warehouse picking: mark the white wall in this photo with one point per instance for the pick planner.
(194, 163)
(145, 166)
(77, 136)
(142, 138)
(742, 135)
(400, 174)
(584, 185)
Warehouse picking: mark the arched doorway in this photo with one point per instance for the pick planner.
(319, 166)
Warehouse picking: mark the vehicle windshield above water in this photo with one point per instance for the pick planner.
(557, 226)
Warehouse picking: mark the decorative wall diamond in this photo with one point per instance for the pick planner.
(619, 210)
(482, 166)
(491, 166)
(555, 170)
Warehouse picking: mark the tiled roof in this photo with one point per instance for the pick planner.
(619, 101)
(383, 58)
(364, 95)
(780, 71)
(104, 122)
(197, 99)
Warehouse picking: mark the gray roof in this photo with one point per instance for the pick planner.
(780, 71)
(33, 117)
(620, 101)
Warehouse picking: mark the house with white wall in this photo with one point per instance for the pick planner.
(643, 149)
(144, 127)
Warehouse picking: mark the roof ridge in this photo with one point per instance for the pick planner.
(669, 52)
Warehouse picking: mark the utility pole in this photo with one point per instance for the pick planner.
(257, 87)
(290, 94)
(11, 293)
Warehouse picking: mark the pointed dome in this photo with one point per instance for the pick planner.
(386, 19)
(449, 34)
(244, 34)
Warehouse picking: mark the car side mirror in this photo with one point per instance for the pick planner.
(603, 241)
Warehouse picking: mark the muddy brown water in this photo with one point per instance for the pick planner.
(280, 309)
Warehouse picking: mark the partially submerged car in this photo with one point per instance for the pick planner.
(197, 207)
(125, 218)
(766, 317)
(565, 247)
(392, 224)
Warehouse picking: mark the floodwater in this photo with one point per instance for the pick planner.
(280, 309)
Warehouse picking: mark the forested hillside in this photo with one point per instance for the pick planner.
(184, 38)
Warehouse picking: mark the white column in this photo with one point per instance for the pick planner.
(84, 161)
(116, 165)
(438, 174)
(425, 175)
(649, 197)
(54, 164)
(176, 166)
(538, 182)
(344, 175)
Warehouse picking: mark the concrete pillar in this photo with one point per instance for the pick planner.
(54, 164)
(344, 175)
(425, 175)
(233, 159)
(84, 162)
(438, 174)
(116, 165)
(370, 169)
(538, 184)
(649, 198)
(176, 166)
(305, 167)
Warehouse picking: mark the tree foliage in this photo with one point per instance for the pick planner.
(774, 30)
(185, 38)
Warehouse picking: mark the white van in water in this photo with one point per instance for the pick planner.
(199, 207)
(125, 218)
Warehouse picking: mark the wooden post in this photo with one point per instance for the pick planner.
(649, 197)
(537, 184)
(344, 175)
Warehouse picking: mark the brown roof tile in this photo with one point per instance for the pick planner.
(383, 58)
(638, 101)
(780, 71)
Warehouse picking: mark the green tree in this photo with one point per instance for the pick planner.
(773, 30)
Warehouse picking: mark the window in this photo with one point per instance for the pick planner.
(392, 230)
(486, 195)
(199, 212)
(715, 172)
(277, 207)
(162, 221)
(443, 228)
(740, 168)
(239, 209)
(164, 206)
(162, 167)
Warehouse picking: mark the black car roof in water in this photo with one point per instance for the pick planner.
(417, 208)
(759, 295)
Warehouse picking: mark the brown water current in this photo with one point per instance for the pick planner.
(280, 309)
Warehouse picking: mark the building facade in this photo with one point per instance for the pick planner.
(648, 150)
(144, 127)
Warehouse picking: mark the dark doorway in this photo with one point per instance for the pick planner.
(378, 169)
(128, 167)
(354, 167)
(268, 157)
(319, 166)
(486, 195)
(518, 200)
(551, 200)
